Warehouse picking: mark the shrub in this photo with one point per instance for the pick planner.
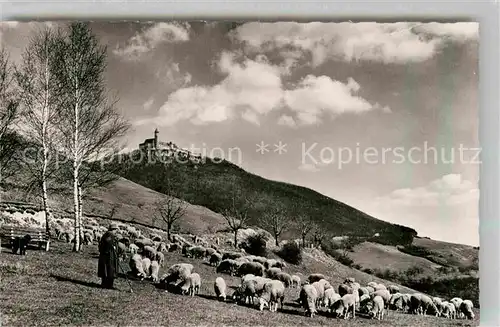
(368, 271)
(291, 253)
(256, 244)
(356, 266)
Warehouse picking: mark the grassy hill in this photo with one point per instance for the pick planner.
(59, 288)
(213, 185)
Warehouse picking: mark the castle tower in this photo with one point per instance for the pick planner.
(155, 144)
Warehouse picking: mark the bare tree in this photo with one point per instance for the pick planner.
(9, 112)
(40, 103)
(171, 210)
(90, 123)
(275, 221)
(304, 225)
(236, 217)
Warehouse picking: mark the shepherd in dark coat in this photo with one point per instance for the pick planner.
(108, 258)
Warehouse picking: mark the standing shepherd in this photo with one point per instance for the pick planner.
(108, 259)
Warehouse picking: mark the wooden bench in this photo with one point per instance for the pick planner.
(38, 235)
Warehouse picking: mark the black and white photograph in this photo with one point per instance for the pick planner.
(239, 173)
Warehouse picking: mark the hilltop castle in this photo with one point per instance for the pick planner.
(165, 149)
(150, 144)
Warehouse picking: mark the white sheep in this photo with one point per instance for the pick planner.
(160, 257)
(154, 271)
(136, 267)
(149, 252)
(220, 288)
(345, 305)
(272, 294)
(146, 264)
(377, 310)
(247, 277)
(393, 289)
(191, 285)
(457, 302)
(308, 297)
(295, 281)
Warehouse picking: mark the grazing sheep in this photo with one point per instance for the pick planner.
(415, 303)
(149, 252)
(273, 272)
(295, 281)
(308, 297)
(154, 271)
(133, 249)
(136, 267)
(285, 278)
(88, 238)
(271, 263)
(220, 288)
(215, 259)
(393, 289)
(364, 300)
(448, 310)
(249, 289)
(315, 277)
(456, 301)
(260, 260)
(227, 266)
(426, 304)
(179, 271)
(344, 305)
(272, 294)
(146, 264)
(231, 255)
(380, 287)
(191, 285)
(372, 284)
(320, 290)
(466, 309)
(330, 297)
(377, 310)
(370, 289)
(209, 252)
(385, 294)
(195, 252)
(251, 268)
(160, 257)
(247, 277)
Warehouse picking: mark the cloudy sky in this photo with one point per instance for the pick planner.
(379, 116)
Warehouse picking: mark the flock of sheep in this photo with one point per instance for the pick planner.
(264, 280)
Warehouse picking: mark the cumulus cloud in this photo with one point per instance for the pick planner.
(367, 41)
(147, 105)
(320, 94)
(171, 75)
(444, 209)
(253, 88)
(149, 38)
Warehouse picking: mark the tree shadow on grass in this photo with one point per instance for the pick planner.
(76, 281)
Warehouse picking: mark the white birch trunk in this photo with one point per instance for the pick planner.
(76, 168)
(45, 123)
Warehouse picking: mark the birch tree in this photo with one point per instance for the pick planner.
(40, 103)
(90, 124)
(9, 112)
